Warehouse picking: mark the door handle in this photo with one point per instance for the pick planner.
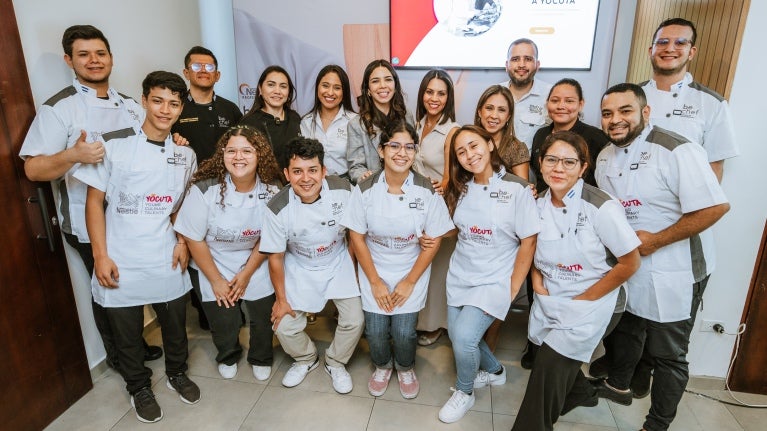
(48, 222)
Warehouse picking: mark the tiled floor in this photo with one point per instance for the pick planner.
(245, 404)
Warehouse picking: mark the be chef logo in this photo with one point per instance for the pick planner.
(223, 121)
(582, 220)
(417, 204)
(503, 196)
(128, 203)
(177, 159)
(644, 157)
(536, 109)
(687, 111)
(479, 235)
(337, 208)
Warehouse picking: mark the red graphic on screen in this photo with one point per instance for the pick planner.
(413, 19)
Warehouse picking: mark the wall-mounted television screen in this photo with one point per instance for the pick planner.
(474, 34)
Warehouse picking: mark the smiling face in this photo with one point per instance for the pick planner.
(240, 158)
(91, 61)
(305, 177)
(400, 160)
(330, 91)
(564, 105)
(494, 114)
(623, 119)
(203, 79)
(559, 178)
(435, 97)
(522, 64)
(672, 59)
(473, 153)
(163, 108)
(381, 88)
(274, 91)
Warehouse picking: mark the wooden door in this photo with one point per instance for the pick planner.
(43, 367)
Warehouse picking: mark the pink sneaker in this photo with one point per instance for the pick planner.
(408, 384)
(379, 381)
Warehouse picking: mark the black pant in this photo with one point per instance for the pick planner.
(666, 345)
(550, 381)
(128, 327)
(99, 313)
(225, 327)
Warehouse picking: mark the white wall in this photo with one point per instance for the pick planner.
(739, 232)
(144, 35)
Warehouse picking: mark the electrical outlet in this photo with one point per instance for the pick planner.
(708, 325)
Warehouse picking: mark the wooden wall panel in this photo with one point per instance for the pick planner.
(720, 25)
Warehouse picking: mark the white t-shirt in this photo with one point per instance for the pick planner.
(57, 127)
(491, 220)
(334, 140)
(392, 225)
(231, 232)
(659, 177)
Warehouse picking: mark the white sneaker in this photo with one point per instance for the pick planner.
(261, 372)
(342, 381)
(456, 407)
(298, 372)
(227, 371)
(489, 379)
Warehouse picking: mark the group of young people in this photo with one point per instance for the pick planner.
(406, 224)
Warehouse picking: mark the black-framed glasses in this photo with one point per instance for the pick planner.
(567, 162)
(409, 147)
(679, 42)
(197, 67)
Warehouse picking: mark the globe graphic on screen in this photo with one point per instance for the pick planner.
(467, 18)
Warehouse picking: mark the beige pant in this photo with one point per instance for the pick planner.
(302, 349)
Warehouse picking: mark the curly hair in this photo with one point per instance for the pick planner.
(267, 169)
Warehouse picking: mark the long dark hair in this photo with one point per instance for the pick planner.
(448, 113)
(214, 167)
(456, 186)
(259, 103)
(346, 97)
(371, 116)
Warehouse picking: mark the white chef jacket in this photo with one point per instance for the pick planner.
(702, 116)
(231, 232)
(318, 266)
(576, 247)
(334, 140)
(144, 184)
(392, 225)
(530, 112)
(491, 219)
(57, 126)
(659, 177)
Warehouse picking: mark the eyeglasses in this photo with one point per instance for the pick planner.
(197, 67)
(246, 153)
(679, 43)
(396, 146)
(568, 163)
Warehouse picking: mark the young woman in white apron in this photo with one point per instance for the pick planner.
(386, 214)
(586, 249)
(221, 221)
(435, 125)
(497, 222)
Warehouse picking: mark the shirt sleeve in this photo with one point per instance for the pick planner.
(438, 220)
(274, 236)
(192, 218)
(47, 135)
(614, 230)
(719, 135)
(527, 220)
(97, 175)
(354, 217)
(691, 178)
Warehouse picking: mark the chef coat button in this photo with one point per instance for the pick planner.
(564, 211)
(668, 115)
(401, 198)
(675, 94)
(162, 150)
(620, 175)
(116, 104)
(250, 196)
(484, 188)
(323, 223)
(210, 108)
(626, 150)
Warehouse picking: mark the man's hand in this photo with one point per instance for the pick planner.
(648, 245)
(106, 272)
(279, 310)
(180, 256)
(87, 152)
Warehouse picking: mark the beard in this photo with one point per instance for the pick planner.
(631, 135)
(666, 71)
(522, 82)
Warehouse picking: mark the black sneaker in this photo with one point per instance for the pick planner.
(599, 368)
(605, 391)
(147, 409)
(152, 352)
(640, 382)
(187, 390)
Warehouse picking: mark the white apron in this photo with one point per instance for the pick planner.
(318, 266)
(142, 193)
(573, 328)
(103, 116)
(233, 232)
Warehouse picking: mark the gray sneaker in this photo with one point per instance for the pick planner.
(147, 409)
(187, 390)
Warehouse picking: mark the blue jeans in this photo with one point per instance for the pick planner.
(466, 325)
(380, 329)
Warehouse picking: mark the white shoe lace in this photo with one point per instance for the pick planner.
(407, 377)
(483, 377)
(379, 375)
(340, 374)
(458, 399)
